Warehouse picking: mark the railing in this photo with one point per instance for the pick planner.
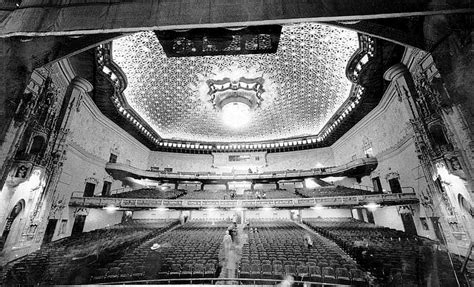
(79, 193)
(362, 187)
(468, 257)
(219, 281)
(356, 200)
(120, 190)
(199, 176)
(371, 188)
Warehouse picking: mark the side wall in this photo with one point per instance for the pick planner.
(387, 132)
(28, 191)
(93, 138)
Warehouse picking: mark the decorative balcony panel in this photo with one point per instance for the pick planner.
(321, 202)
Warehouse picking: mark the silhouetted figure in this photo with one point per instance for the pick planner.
(227, 241)
(308, 241)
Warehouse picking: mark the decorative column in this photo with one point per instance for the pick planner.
(55, 202)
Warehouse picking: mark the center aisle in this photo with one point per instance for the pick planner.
(232, 259)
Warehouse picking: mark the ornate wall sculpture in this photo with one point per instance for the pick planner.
(34, 165)
(440, 147)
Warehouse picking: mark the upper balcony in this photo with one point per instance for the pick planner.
(356, 168)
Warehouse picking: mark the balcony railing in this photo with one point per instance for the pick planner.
(219, 281)
(334, 201)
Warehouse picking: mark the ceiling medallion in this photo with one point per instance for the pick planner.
(235, 99)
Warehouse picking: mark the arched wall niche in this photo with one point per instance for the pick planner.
(465, 204)
(11, 223)
(37, 144)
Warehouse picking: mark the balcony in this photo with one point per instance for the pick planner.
(358, 167)
(339, 201)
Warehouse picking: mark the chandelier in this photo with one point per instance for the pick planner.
(235, 99)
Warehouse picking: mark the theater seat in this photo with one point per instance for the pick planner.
(302, 272)
(277, 271)
(244, 271)
(198, 270)
(210, 270)
(126, 273)
(343, 276)
(267, 271)
(357, 277)
(255, 270)
(113, 274)
(187, 271)
(329, 275)
(290, 270)
(315, 273)
(175, 271)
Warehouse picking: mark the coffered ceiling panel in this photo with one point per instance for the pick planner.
(304, 83)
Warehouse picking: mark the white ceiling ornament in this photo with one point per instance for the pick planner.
(304, 84)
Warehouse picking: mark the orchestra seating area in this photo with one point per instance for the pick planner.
(59, 262)
(151, 193)
(394, 257)
(345, 251)
(327, 191)
(276, 248)
(189, 251)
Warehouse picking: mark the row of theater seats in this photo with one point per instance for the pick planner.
(59, 262)
(231, 194)
(326, 191)
(394, 257)
(189, 251)
(275, 248)
(269, 194)
(211, 194)
(151, 193)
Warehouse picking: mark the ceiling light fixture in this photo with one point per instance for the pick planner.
(236, 115)
(236, 98)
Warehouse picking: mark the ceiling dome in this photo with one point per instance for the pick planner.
(304, 83)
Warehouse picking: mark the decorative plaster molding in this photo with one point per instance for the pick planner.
(82, 84)
(69, 75)
(372, 116)
(85, 155)
(396, 149)
(110, 125)
(395, 71)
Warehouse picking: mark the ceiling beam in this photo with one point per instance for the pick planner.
(53, 18)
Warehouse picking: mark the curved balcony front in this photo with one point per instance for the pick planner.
(321, 202)
(356, 168)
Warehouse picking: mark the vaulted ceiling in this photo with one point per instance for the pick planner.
(305, 83)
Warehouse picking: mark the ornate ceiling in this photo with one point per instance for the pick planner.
(304, 83)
